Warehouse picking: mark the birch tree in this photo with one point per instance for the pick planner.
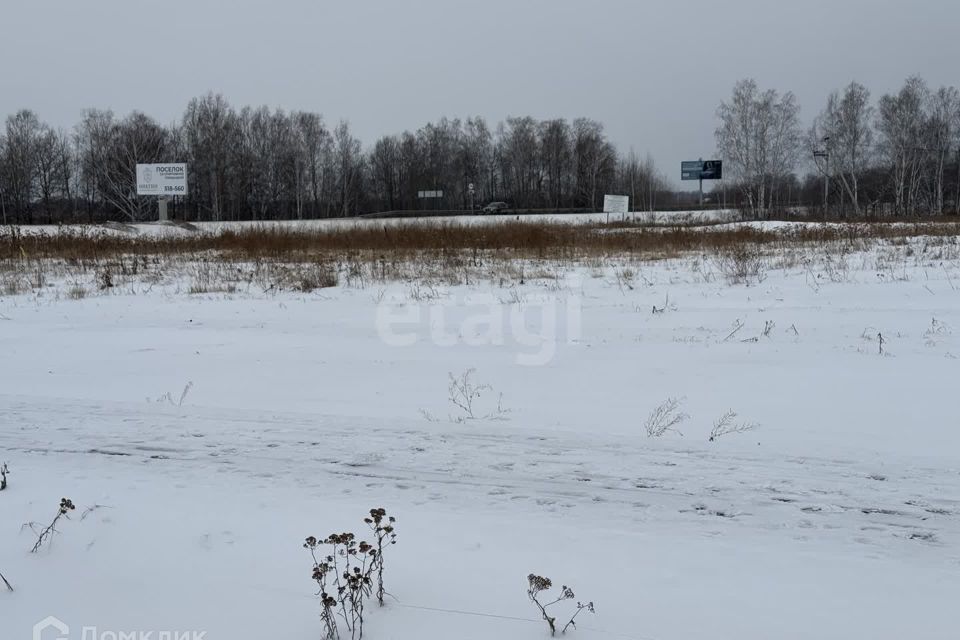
(942, 137)
(479, 157)
(901, 123)
(759, 138)
(845, 129)
(349, 167)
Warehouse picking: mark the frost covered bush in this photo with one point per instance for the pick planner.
(665, 418)
(537, 585)
(315, 276)
(463, 393)
(727, 424)
(741, 264)
(350, 574)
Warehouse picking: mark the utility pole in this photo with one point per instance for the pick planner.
(826, 190)
(825, 154)
(701, 184)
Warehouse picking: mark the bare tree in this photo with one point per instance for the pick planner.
(759, 137)
(23, 133)
(49, 168)
(135, 139)
(478, 153)
(314, 145)
(349, 169)
(91, 149)
(210, 130)
(640, 180)
(901, 123)
(68, 169)
(556, 156)
(942, 133)
(520, 160)
(845, 126)
(385, 171)
(110, 150)
(594, 159)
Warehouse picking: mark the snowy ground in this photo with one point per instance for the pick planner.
(838, 517)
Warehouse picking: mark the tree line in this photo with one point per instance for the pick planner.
(259, 163)
(899, 155)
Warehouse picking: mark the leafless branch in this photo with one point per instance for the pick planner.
(727, 424)
(665, 418)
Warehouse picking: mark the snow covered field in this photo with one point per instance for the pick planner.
(212, 433)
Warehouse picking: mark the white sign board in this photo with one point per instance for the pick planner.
(429, 194)
(616, 204)
(161, 179)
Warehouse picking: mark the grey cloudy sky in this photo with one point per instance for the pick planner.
(653, 71)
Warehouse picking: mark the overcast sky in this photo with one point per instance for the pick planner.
(653, 71)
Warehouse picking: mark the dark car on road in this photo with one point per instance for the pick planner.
(495, 207)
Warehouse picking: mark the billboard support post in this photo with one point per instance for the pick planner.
(701, 184)
(162, 208)
(825, 154)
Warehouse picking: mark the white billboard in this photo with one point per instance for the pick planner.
(429, 194)
(161, 179)
(616, 204)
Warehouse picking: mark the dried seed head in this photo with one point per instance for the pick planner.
(539, 583)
